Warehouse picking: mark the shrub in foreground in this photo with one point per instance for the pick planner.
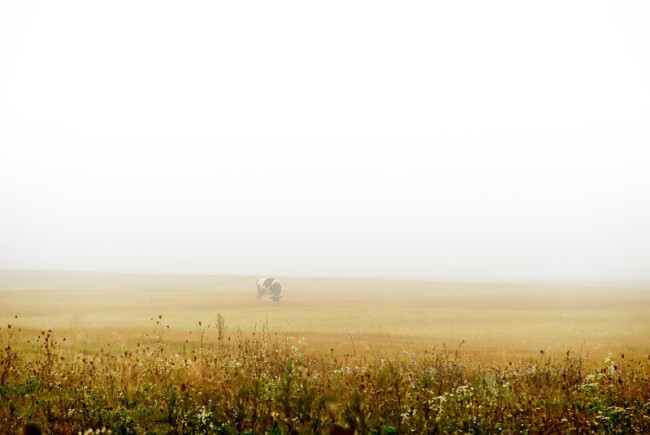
(266, 383)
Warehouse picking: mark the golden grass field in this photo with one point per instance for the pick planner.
(83, 352)
(497, 322)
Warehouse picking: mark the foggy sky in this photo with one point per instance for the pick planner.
(466, 140)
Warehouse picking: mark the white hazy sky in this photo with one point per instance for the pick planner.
(469, 140)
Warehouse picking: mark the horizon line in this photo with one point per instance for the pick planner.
(622, 283)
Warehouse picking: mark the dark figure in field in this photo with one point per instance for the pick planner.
(31, 429)
(269, 286)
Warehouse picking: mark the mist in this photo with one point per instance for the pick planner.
(505, 141)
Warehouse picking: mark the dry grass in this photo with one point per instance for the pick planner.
(128, 352)
(497, 322)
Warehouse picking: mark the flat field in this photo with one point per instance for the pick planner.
(200, 354)
(497, 322)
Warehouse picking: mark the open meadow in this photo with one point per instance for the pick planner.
(190, 338)
(450, 200)
(495, 321)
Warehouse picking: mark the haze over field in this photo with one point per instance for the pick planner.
(477, 141)
(324, 217)
(495, 321)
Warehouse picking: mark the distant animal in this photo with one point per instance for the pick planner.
(269, 286)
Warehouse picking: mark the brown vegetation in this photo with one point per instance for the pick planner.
(348, 355)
